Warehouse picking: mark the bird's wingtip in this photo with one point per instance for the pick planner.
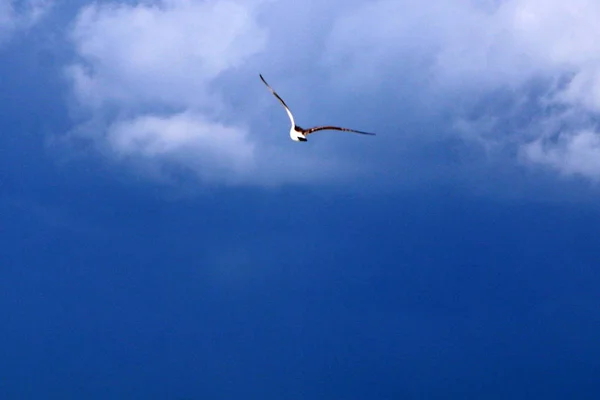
(264, 81)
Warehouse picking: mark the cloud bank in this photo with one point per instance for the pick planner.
(163, 81)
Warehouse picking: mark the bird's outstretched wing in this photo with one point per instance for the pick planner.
(333, 128)
(287, 109)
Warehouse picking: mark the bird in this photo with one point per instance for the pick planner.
(299, 134)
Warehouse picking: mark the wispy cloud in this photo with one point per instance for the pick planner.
(575, 153)
(19, 15)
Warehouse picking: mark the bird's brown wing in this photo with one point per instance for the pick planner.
(333, 128)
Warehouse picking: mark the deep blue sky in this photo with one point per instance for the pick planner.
(454, 260)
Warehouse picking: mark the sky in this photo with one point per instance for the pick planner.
(161, 237)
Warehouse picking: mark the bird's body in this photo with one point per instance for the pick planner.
(299, 134)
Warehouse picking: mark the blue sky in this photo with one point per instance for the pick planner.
(162, 237)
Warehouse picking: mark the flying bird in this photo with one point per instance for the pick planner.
(299, 134)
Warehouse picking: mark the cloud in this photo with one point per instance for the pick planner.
(17, 15)
(576, 153)
(187, 139)
(167, 83)
(165, 52)
(149, 85)
(471, 42)
(144, 76)
(468, 53)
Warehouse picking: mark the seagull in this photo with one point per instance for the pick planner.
(299, 134)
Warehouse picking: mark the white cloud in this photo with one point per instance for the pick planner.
(576, 153)
(146, 70)
(146, 84)
(156, 74)
(211, 150)
(472, 42)
(165, 52)
(462, 50)
(19, 15)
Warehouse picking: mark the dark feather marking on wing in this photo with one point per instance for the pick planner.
(273, 91)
